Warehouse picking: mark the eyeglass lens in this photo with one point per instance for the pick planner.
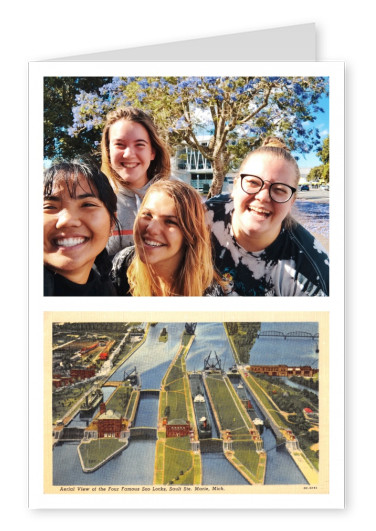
(279, 192)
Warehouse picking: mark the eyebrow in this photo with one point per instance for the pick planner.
(149, 211)
(137, 140)
(80, 196)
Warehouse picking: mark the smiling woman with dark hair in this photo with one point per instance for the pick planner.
(79, 213)
(259, 248)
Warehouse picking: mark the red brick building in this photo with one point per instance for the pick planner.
(177, 428)
(110, 424)
(82, 373)
(283, 370)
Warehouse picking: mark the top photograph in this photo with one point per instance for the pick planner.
(186, 186)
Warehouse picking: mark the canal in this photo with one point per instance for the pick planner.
(135, 465)
(280, 468)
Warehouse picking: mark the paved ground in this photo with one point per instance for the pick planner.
(317, 220)
(315, 196)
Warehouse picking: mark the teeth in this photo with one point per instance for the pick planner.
(130, 165)
(260, 211)
(153, 244)
(69, 242)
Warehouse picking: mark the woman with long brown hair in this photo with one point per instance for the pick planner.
(134, 156)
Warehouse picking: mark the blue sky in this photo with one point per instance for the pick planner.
(322, 123)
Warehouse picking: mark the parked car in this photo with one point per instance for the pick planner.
(304, 188)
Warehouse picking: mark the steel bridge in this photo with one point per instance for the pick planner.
(296, 333)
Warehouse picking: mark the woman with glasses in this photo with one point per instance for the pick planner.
(259, 248)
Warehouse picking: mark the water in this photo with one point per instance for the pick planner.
(125, 469)
(295, 385)
(216, 470)
(295, 351)
(210, 337)
(153, 358)
(280, 468)
(147, 412)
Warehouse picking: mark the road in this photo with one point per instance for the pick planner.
(315, 196)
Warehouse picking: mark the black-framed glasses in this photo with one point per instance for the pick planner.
(278, 192)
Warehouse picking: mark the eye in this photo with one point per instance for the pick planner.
(49, 206)
(88, 204)
(281, 190)
(172, 222)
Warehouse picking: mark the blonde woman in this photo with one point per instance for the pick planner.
(172, 255)
(259, 247)
(134, 156)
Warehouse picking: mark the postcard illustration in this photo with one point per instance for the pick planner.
(185, 407)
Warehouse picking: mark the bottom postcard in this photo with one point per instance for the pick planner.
(144, 404)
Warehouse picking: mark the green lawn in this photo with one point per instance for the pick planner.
(120, 399)
(228, 414)
(178, 467)
(96, 451)
(245, 453)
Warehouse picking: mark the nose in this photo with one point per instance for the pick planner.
(153, 226)
(67, 218)
(263, 194)
(127, 152)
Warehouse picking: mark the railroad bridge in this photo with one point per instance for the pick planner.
(296, 333)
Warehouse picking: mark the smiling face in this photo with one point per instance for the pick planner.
(158, 236)
(131, 152)
(76, 230)
(257, 220)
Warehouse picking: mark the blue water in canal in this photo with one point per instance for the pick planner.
(125, 469)
(135, 465)
(147, 413)
(210, 337)
(153, 358)
(216, 470)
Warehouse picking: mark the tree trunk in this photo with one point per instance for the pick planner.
(220, 167)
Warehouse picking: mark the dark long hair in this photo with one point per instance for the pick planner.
(69, 172)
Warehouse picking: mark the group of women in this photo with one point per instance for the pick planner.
(132, 229)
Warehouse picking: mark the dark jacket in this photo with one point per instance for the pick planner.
(59, 286)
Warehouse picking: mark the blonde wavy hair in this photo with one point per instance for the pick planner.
(160, 167)
(196, 272)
